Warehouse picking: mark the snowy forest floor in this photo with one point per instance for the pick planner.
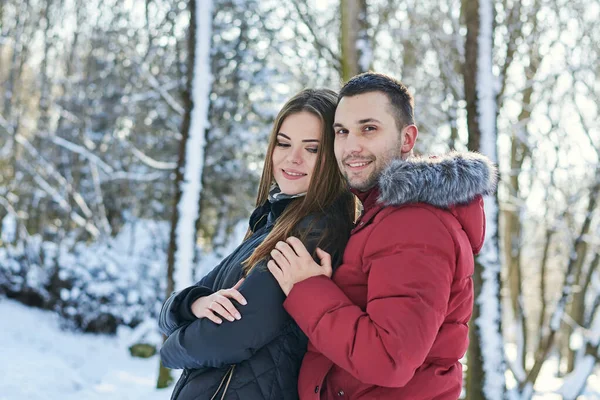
(39, 360)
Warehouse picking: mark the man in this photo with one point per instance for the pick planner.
(392, 322)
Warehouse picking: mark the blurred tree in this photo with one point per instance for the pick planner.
(485, 373)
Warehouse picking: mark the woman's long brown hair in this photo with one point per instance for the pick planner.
(327, 183)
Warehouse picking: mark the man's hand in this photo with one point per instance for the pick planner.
(218, 304)
(292, 263)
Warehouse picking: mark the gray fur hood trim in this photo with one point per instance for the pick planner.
(452, 179)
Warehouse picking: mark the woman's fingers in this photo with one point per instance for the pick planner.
(238, 284)
(236, 295)
(224, 307)
(212, 316)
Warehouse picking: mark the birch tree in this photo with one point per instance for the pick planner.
(485, 379)
(182, 241)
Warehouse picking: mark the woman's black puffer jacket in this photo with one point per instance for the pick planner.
(265, 345)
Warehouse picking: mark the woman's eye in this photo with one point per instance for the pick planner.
(281, 144)
(313, 150)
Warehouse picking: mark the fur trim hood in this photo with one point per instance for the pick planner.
(444, 181)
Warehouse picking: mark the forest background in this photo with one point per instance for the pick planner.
(132, 134)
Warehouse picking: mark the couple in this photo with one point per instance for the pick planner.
(314, 306)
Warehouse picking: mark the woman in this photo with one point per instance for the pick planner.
(230, 332)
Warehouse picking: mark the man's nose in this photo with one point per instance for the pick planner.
(353, 144)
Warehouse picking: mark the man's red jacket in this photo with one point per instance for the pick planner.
(392, 323)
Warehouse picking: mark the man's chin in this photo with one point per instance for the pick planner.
(362, 185)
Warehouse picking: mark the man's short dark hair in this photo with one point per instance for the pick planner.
(401, 100)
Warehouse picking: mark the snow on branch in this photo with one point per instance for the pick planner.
(113, 175)
(82, 151)
(61, 201)
(49, 168)
(318, 43)
(575, 382)
(161, 165)
(178, 108)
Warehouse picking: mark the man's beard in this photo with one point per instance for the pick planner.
(367, 183)
(379, 164)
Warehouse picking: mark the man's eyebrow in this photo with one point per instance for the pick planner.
(360, 122)
(367, 120)
(304, 141)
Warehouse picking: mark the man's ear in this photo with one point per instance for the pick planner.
(409, 138)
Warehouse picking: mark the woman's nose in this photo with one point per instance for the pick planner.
(296, 156)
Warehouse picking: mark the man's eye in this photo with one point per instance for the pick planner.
(370, 128)
(341, 132)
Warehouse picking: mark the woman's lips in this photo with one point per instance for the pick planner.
(293, 175)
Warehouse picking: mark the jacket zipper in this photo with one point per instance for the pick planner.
(180, 383)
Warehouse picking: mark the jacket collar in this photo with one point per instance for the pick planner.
(451, 181)
(444, 181)
(270, 210)
(368, 198)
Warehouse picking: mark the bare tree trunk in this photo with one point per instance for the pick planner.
(575, 383)
(356, 57)
(588, 279)
(410, 55)
(543, 275)
(18, 56)
(44, 87)
(191, 155)
(513, 216)
(576, 258)
(69, 63)
(513, 241)
(577, 311)
(164, 375)
(485, 374)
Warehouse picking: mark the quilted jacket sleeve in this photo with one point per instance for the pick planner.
(202, 343)
(176, 310)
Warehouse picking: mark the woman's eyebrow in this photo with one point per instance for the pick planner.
(304, 141)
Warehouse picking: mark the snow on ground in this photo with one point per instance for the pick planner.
(38, 360)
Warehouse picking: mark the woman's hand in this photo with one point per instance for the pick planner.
(218, 304)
